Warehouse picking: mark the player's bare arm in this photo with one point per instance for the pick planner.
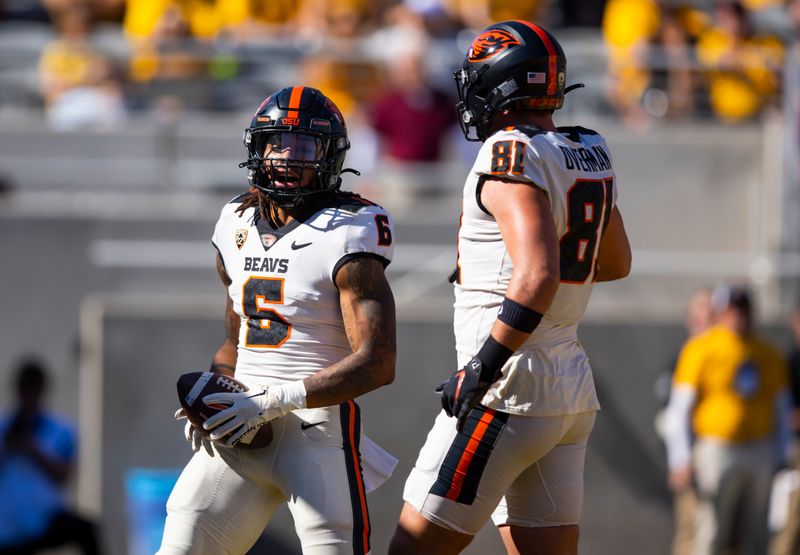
(369, 318)
(614, 258)
(224, 361)
(523, 213)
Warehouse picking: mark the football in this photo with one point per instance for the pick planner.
(193, 386)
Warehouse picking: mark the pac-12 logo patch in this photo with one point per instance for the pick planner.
(490, 43)
(241, 237)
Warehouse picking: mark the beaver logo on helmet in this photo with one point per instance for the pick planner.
(490, 43)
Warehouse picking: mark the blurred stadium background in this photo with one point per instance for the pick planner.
(120, 134)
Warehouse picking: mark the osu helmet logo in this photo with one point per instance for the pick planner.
(490, 43)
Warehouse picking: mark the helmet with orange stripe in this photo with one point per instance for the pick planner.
(513, 65)
(296, 145)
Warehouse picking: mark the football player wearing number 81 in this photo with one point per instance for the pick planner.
(310, 326)
(539, 227)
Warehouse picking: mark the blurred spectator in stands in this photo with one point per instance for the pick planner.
(348, 18)
(24, 10)
(349, 77)
(670, 92)
(439, 17)
(742, 69)
(69, 60)
(260, 20)
(478, 14)
(628, 27)
(46, 11)
(162, 52)
(529, 10)
(342, 68)
(768, 16)
(650, 56)
(787, 541)
(756, 5)
(351, 85)
(37, 453)
(336, 20)
(581, 13)
(165, 61)
(730, 393)
(698, 320)
(107, 11)
(142, 17)
(78, 84)
(199, 19)
(412, 119)
(790, 216)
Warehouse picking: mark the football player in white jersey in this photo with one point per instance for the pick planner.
(310, 325)
(539, 227)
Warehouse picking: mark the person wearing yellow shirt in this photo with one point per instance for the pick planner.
(628, 27)
(742, 68)
(730, 394)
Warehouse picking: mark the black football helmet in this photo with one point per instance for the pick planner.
(295, 131)
(512, 65)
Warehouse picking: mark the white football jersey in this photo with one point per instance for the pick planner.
(573, 167)
(283, 285)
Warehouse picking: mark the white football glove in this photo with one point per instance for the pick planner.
(194, 436)
(251, 409)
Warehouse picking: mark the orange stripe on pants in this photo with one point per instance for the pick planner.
(469, 452)
(357, 470)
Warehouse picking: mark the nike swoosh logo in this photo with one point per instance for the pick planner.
(306, 425)
(296, 246)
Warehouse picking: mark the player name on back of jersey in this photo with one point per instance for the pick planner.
(594, 160)
(266, 264)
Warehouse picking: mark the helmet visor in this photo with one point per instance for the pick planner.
(292, 146)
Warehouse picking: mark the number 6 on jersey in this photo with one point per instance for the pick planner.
(265, 327)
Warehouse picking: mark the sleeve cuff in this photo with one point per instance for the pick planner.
(350, 256)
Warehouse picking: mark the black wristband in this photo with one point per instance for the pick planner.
(518, 316)
(493, 356)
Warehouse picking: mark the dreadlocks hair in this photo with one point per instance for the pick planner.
(258, 199)
(254, 198)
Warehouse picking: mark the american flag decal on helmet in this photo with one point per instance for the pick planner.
(537, 78)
